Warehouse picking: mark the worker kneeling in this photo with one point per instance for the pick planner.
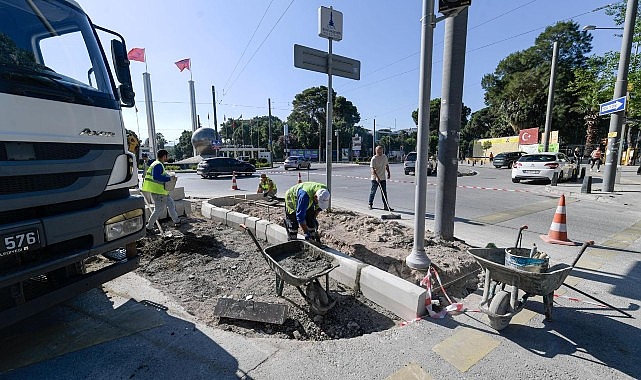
(267, 187)
(303, 201)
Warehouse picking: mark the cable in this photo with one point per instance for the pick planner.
(247, 46)
(258, 48)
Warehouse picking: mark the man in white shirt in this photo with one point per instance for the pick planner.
(379, 165)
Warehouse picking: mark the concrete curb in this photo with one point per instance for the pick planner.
(400, 297)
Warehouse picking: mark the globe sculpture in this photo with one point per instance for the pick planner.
(203, 140)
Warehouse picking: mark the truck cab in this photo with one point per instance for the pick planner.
(65, 172)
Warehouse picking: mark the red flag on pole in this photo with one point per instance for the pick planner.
(184, 64)
(136, 54)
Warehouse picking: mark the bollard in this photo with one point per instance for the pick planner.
(555, 179)
(586, 187)
(582, 173)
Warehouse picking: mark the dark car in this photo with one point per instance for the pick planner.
(213, 167)
(507, 159)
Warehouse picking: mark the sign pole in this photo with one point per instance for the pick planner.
(328, 122)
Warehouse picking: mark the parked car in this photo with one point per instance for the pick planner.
(542, 166)
(213, 167)
(506, 159)
(297, 162)
(410, 163)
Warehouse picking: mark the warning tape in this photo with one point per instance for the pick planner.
(579, 300)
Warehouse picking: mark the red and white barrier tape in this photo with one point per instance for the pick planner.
(579, 300)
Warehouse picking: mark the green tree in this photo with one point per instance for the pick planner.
(183, 149)
(160, 141)
(435, 117)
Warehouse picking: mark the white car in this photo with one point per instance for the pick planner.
(409, 164)
(297, 162)
(542, 166)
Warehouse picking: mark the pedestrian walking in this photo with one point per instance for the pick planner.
(379, 165)
(595, 158)
(303, 202)
(154, 183)
(267, 187)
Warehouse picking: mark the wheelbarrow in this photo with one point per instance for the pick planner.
(500, 306)
(300, 264)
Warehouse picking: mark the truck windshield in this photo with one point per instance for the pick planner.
(48, 50)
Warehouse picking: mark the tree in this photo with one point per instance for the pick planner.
(184, 149)
(435, 117)
(307, 121)
(517, 91)
(160, 141)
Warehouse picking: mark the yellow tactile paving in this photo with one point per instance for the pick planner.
(524, 316)
(465, 348)
(411, 371)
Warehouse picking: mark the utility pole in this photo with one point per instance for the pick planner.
(450, 124)
(269, 137)
(612, 153)
(548, 114)
(374, 139)
(328, 132)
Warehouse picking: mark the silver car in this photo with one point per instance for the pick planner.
(542, 166)
(297, 162)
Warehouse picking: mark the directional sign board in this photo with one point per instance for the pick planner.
(316, 60)
(614, 105)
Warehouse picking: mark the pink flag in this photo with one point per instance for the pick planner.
(136, 54)
(184, 64)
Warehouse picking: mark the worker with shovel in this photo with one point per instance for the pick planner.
(379, 165)
(303, 202)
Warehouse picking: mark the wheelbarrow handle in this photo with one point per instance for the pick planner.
(519, 236)
(583, 248)
(244, 227)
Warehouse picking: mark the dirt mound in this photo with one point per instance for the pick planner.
(204, 261)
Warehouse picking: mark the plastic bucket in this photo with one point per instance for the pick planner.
(519, 258)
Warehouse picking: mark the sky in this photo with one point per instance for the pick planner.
(245, 49)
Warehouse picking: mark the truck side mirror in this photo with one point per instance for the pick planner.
(121, 67)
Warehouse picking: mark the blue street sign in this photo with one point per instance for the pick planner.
(614, 105)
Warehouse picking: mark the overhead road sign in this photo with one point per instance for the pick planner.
(316, 60)
(614, 105)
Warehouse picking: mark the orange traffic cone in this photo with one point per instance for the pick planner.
(558, 233)
(234, 186)
(300, 180)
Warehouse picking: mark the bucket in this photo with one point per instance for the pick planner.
(519, 258)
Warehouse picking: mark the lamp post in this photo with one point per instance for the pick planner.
(613, 152)
(338, 146)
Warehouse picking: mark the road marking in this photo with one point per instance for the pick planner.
(528, 209)
(465, 348)
(411, 371)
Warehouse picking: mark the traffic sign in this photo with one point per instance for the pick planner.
(316, 60)
(614, 105)
(330, 23)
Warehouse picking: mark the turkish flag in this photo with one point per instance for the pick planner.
(136, 54)
(184, 64)
(529, 136)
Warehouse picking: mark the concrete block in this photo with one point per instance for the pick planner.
(205, 209)
(183, 208)
(402, 298)
(349, 271)
(261, 229)
(235, 219)
(250, 222)
(219, 214)
(178, 193)
(276, 234)
(230, 200)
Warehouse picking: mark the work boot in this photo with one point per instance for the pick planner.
(371, 207)
(388, 208)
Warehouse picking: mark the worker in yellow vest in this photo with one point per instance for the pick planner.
(267, 187)
(303, 202)
(154, 184)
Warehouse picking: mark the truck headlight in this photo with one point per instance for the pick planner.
(123, 225)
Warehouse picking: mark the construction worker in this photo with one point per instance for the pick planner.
(303, 201)
(267, 187)
(154, 183)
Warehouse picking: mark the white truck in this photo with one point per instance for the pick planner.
(65, 172)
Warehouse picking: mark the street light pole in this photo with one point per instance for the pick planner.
(620, 89)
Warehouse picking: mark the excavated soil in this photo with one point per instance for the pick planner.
(203, 261)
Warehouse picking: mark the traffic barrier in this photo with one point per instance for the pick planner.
(234, 185)
(558, 233)
(300, 180)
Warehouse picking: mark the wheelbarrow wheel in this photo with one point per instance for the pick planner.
(317, 298)
(500, 305)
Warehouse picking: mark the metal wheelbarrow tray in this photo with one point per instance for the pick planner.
(301, 264)
(501, 305)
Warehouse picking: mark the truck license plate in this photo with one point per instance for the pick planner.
(19, 240)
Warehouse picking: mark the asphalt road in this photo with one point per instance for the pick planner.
(114, 334)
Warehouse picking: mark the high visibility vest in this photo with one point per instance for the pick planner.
(267, 185)
(291, 198)
(150, 185)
